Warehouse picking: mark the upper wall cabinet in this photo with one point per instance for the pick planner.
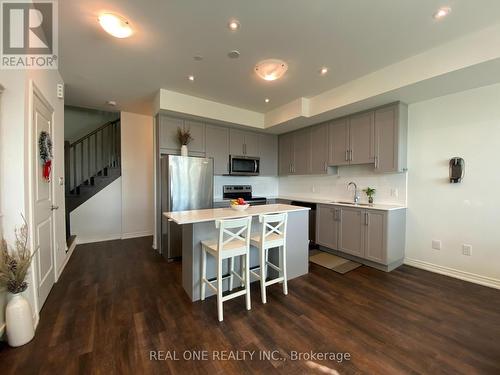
(286, 156)
(352, 140)
(361, 144)
(242, 143)
(217, 147)
(391, 132)
(338, 138)
(302, 152)
(319, 149)
(168, 135)
(268, 154)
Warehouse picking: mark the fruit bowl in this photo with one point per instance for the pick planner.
(240, 207)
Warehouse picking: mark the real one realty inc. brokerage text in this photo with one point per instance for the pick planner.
(246, 355)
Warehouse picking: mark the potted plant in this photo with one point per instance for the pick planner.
(14, 265)
(184, 137)
(370, 192)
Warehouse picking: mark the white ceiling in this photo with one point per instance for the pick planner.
(351, 37)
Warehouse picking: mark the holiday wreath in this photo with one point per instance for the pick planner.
(45, 147)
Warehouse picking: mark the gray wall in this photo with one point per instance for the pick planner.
(78, 122)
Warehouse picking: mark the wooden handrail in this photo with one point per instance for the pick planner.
(94, 132)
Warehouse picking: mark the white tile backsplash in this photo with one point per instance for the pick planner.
(332, 187)
(261, 186)
(391, 188)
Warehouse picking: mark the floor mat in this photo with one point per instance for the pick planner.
(333, 262)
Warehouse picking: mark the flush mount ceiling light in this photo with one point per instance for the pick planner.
(111, 103)
(271, 69)
(323, 70)
(441, 13)
(115, 25)
(233, 25)
(191, 78)
(234, 54)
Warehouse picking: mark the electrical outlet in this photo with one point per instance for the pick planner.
(436, 244)
(467, 250)
(60, 91)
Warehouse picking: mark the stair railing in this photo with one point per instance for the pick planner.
(92, 155)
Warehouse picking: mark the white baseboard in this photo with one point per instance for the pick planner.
(68, 255)
(144, 233)
(82, 240)
(447, 271)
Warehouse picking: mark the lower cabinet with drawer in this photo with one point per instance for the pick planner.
(373, 237)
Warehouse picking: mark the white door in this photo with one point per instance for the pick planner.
(43, 229)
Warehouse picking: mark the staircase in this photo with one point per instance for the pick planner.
(91, 163)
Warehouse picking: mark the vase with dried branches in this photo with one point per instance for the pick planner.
(184, 137)
(14, 266)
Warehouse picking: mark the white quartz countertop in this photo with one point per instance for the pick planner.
(375, 206)
(212, 214)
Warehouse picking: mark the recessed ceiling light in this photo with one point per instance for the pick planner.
(233, 25)
(266, 100)
(442, 12)
(271, 69)
(111, 103)
(115, 25)
(323, 70)
(191, 78)
(234, 54)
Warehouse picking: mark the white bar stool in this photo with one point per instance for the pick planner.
(273, 235)
(234, 240)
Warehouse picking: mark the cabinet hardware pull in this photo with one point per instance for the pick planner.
(376, 162)
(366, 218)
(326, 168)
(346, 155)
(350, 153)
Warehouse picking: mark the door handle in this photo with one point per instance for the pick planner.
(52, 208)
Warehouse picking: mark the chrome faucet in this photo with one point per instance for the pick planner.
(356, 195)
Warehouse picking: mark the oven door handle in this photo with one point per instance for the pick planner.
(255, 165)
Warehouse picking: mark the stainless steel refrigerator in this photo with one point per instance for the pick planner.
(186, 183)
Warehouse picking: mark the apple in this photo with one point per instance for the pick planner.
(241, 201)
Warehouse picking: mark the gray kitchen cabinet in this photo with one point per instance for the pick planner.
(361, 138)
(236, 142)
(338, 140)
(373, 237)
(242, 143)
(327, 226)
(252, 144)
(217, 147)
(319, 149)
(198, 133)
(168, 132)
(351, 238)
(285, 154)
(268, 154)
(302, 152)
(390, 128)
(375, 232)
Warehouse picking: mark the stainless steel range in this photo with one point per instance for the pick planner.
(242, 191)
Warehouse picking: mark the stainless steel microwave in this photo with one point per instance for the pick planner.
(244, 165)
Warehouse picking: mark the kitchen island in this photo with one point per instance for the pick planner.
(199, 225)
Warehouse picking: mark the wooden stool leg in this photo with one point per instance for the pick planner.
(219, 289)
(263, 267)
(203, 272)
(283, 269)
(231, 271)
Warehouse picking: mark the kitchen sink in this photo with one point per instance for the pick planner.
(351, 203)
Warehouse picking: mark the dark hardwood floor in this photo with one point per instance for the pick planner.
(117, 301)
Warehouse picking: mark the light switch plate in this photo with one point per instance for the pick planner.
(436, 244)
(467, 250)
